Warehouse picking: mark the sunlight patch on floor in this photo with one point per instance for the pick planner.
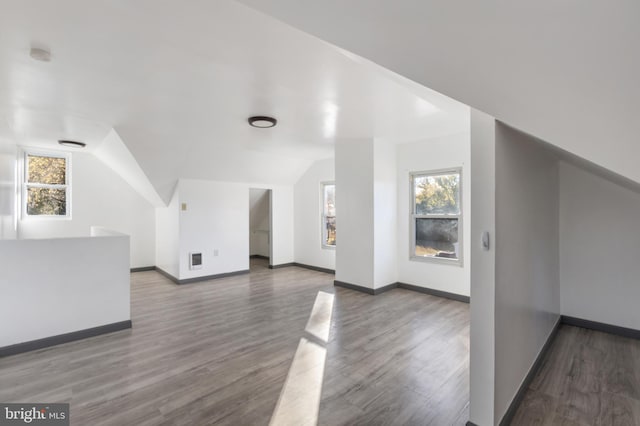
(299, 402)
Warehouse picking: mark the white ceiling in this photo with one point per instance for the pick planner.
(564, 71)
(178, 79)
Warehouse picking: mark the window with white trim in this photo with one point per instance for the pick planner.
(46, 189)
(328, 214)
(436, 216)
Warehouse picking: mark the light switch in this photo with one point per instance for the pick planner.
(183, 207)
(485, 241)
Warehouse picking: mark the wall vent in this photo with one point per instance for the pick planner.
(195, 260)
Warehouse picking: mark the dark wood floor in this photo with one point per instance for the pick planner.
(588, 378)
(234, 350)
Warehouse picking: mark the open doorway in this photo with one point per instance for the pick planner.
(259, 228)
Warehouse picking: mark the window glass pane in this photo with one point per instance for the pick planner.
(48, 170)
(437, 238)
(437, 194)
(329, 233)
(46, 201)
(329, 200)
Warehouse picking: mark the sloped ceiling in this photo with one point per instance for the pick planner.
(564, 71)
(177, 80)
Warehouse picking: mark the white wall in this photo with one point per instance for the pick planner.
(100, 197)
(308, 216)
(385, 200)
(259, 222)
(482, 280)
(168, 236)
(433, 154)
(354, 212)
(56, 286)
(527, 288)
(8, 171)
(217, 218)
(599, 248)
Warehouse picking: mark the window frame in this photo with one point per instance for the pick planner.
(413, 216)
(26, 152)
(323, 216)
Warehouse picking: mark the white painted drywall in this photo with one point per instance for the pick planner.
(168, 236)
(599, 248)
(8, 170)
(308, 216)
(354, 212)
(533, 62)
(259, 223)
(100, 197)
(56, 286)
(217, 218)
(385, 201)
(115, 155)
(444, 152)
(482, 279)
(527, 285)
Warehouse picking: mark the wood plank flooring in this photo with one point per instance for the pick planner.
(220, 352)
(587, 378)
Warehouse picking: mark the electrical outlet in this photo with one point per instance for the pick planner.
(215, 252)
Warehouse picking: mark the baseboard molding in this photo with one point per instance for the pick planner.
(314, 268)
(143, 268)
(355, 287)
(433, 292)
(258, 256)
(282, 265)
(471, 424)
(599, 326)
(203, 278)
(362, 289)
(63, 338)
(517, 399)
(167, 275)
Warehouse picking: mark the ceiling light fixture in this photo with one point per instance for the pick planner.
(72, 144)
(39, 54)
(262, 122)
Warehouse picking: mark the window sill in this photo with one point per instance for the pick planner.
(436, 260)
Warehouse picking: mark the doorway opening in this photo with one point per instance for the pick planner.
(260, 238)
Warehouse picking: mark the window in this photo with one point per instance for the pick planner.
(436, 220)
(46, 185)
(328, 215)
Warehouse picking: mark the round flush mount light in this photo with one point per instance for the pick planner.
(40, 54)
(72, 144)
(262, 122)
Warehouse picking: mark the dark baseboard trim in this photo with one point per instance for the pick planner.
(599, 326)
(213, 277)
(63, 338)
(203, 278)
(258, 256)
(406, 286)
(517, 399)
(168, 275)
(362, 289)
(433, 292)
(282, 265)
(314, 268)
(355, 287)
(143, 268)
(471, 424)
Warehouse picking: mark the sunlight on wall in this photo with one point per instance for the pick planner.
(299, 401)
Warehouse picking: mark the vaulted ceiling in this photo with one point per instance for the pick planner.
(177, 81)
(564, 71)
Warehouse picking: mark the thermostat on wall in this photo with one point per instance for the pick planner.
(195, 260)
